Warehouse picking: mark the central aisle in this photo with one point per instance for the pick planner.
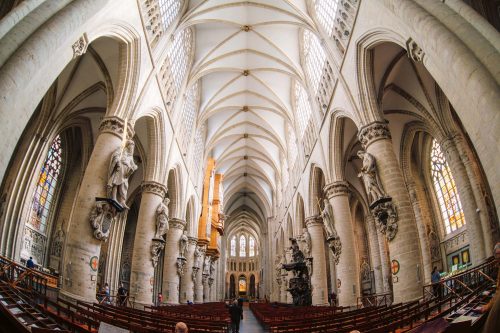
(250, 324)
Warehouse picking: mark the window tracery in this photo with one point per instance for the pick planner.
(46, 186)
(176, 65)
(243, 246)
(292, 145)
(160, 14)
(318, 69)
(187, 116)
(251, 247)
(326, 12)
(233, 246)
(446, 190)
(199, 142)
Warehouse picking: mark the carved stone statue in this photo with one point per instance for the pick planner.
(370, 177)
(121, 167)
(183, 244)
(386, 219)
(162, 218)
(277, 267)
(199, 251)
(327, 215)
(57, 243)
(101, 218)
(305, 238)
(156, 248)
(206, 266)
(335, 246)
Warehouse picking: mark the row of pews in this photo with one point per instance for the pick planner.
(458, 304)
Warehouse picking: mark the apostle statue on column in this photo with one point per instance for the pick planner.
(121, 167)
(305, 238)
(162, 219)
(183, 244)
(328, 222)
(370, 177)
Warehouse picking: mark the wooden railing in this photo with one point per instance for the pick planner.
(461, 284)
(20, 276)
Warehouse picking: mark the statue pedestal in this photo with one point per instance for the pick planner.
(380, 201)
(119, 208)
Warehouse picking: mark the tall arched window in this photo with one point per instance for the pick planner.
(176, 65)
(326, 11)
(178, 54)
(446, 190)
(187, 116)
(292, 147)
(199, 142)
(168, 11)
(251, 246)
(243, 246)
(302, 108)
(314, 57)
(46, 186)
(233, 246)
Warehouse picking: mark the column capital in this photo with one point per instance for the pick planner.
(314, 220)
(176, 223)
(336, 188)
(192, 240)
(154, 187)
(372, 132)
(116, 126)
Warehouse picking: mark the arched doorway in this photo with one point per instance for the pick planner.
(242, 286)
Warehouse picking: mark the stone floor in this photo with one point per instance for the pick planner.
(250, 324)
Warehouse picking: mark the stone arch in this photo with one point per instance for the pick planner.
(300, 217)
(316, 185)
(174, 192)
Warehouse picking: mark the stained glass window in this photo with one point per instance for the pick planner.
(243, 246)
(326, 12)
(168, 11)
(446, 191)
(46, 186)
(251, 246)
(302, 108)
(233, 246)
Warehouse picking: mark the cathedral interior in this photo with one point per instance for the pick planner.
(276, 151)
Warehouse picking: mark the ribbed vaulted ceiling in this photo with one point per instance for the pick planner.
(246, 58)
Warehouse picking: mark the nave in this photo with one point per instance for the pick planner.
(303, 153)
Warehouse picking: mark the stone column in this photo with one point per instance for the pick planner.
(79, 276)
(422, 235)
(205, 277)
(374, 253)
(404, 248)
(142, 268)
(319, 284)
(170, 275)
(187, 282)
(198, 273)
(477, 242)
(488, 222)
(348, 265)
(385, 262)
